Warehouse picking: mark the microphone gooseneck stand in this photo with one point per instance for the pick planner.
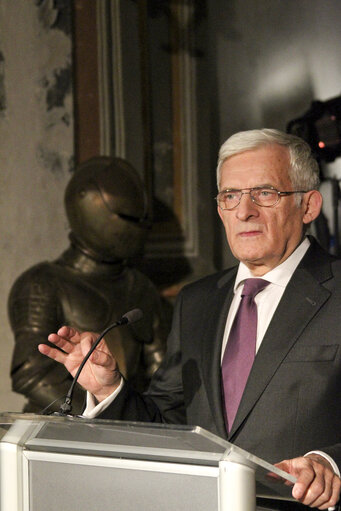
(128, 318)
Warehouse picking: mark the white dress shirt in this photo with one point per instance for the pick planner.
(268, 299)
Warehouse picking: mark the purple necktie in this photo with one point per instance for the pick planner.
(240, 349)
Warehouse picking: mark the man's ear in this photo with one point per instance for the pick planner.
(312, 205)
(220, 213)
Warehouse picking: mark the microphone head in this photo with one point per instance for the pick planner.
(132, 316)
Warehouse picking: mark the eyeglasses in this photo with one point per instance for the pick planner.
(266, 197)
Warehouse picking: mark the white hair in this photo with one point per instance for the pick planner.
(303, 170)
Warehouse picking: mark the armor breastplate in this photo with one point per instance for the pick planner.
(50, 295)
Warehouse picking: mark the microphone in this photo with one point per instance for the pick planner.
(128, 318)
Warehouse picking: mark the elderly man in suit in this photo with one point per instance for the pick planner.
(283, 400)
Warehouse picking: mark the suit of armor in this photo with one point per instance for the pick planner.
(89, 287)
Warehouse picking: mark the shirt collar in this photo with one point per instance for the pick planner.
(281, 274)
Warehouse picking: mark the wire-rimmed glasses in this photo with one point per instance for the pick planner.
(265, 196)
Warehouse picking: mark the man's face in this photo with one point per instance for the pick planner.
(262, 237)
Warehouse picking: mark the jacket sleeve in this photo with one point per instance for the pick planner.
(164, 400)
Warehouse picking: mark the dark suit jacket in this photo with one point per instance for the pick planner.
(292, 400)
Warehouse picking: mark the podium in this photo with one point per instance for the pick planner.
(51, 463)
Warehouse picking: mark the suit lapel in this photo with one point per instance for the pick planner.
(217, 307)
(302, 299)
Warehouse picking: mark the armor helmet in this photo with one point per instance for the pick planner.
(106, 207)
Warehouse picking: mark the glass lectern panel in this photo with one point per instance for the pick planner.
(183, 444)
(170, 458)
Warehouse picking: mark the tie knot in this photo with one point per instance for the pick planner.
(253, 286)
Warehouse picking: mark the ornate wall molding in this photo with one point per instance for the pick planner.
(147, 110)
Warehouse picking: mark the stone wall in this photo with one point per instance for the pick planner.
(36, 147)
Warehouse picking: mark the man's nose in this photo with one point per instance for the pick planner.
(246, 207)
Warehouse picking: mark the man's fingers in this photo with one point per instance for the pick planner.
(336, 490)
(100, 374)
(68, 338)
(62, 343)
(70, 333)
(53, 353)
(305, 477)
(324, 491)
(67, 331)
(316, 485)
(330, 496)
(313, 494)
(101, 358)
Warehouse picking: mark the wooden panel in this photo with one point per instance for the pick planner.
(86, 101)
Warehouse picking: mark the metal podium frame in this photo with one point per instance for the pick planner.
(50, 462)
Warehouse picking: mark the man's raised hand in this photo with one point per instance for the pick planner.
(100, 375)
